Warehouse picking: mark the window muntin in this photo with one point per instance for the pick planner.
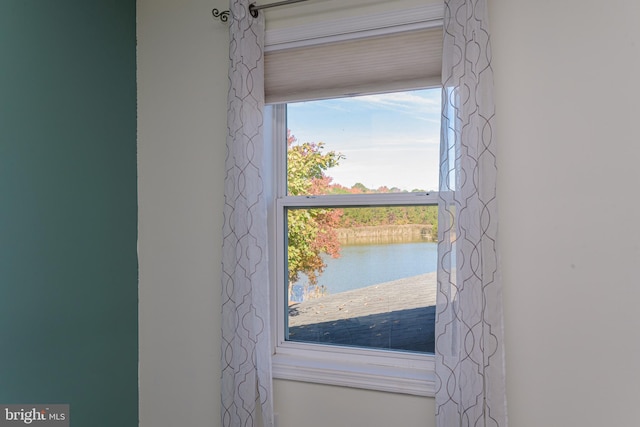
(354, 126)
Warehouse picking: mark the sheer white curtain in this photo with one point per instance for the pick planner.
(246, 348)
(470, 384)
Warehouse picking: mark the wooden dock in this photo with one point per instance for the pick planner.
(397, 315)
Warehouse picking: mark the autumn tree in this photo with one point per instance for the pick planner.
(310, 231)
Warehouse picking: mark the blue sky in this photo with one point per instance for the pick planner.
(388, 139)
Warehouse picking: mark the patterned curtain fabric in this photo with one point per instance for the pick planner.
(246, 347)
(470, 384)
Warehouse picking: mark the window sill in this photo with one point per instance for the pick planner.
(390, 371)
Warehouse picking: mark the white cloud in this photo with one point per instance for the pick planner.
(405, 169)
(418, 104)
(388, 139)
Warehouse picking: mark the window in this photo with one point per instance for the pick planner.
(354, 208)
(359, 221)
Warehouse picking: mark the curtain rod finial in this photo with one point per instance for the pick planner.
(223, 15)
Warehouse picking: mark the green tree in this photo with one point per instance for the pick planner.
(359, 187)
(310, 231)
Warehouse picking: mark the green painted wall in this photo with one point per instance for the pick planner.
(68, 208)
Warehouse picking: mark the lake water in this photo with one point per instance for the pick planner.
(365, 265)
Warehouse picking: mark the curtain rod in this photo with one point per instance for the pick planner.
(253, 9)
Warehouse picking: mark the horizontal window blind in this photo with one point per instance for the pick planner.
(408, 60)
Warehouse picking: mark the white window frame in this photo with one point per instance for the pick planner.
(359, 367)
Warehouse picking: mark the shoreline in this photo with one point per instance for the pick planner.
(396, 295)
(372, 234)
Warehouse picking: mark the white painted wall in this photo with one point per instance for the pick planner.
(182, 87)
(567, 91)
(566, 83)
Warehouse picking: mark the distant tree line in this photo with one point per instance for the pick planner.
(384, 215)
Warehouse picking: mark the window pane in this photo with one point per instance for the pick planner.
(364, 144)
(362, 276)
